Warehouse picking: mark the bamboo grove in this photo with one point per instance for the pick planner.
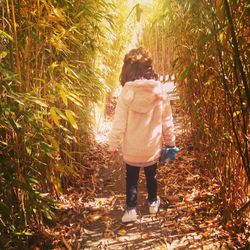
(56, 64)
(206, 44)
(60, 58)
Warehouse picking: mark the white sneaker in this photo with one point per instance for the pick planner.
(154, 206)
(129, 215)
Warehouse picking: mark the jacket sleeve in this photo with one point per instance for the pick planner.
(119, 125)
(167, 124)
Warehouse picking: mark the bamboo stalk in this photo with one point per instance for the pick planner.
(236, 51)
(223, 77)
(3, 16)
(238, 64)
(11, 56)
(163, 51)
(18, 64)
(27, 53)
(157, 48)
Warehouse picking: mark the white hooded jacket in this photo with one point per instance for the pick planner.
(142, 122)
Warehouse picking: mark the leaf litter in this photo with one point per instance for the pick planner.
(190, 216)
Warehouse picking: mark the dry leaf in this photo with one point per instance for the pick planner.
(67, 245)
(94, 217)
(88, 232)
(173, 198)
(122, 232)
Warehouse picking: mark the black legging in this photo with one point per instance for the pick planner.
(132, 176)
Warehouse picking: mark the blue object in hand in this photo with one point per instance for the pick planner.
(168, 152)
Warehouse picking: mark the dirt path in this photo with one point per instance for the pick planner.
(189, 217)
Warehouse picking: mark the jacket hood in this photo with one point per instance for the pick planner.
(141, 96)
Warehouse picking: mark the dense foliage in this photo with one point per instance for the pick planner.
(56, 62)
(211, 62)
(60, 58)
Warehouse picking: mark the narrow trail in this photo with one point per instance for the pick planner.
(189, 217)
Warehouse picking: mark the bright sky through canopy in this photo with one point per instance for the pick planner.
(140, 1)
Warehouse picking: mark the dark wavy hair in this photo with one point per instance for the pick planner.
(137, 64)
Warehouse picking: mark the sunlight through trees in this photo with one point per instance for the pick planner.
(59, 66)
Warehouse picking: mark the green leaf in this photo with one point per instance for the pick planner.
(48, 213)
(15, 125)
(70, 115)
(4, 209)
(186, 72)
(28, 146)
(47, 149)
(26, 233)
(32, 180)
(138, 12)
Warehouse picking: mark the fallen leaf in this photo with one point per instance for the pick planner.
(87, 232)
(173, 198)
(122, 232)
(67, 245)
(94, 217)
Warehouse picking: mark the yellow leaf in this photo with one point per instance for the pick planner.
(3, 54)
(48, 124)
(122, 232)
(71, 119)
(57, 184)
(236, 113)
(99, 203)
(221, 37)
(54, 116)
(54, 143)
(75, 100)
(4, 34)
(64, 97)
(70, 170)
